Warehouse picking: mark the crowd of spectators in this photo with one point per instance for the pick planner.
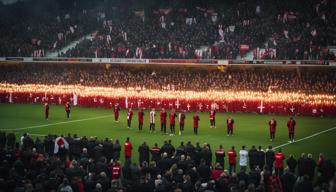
(178, 33)
(303, 32)
(31, 29)
(303, 80)
(71, 163)
(220, 30)
(285, 30)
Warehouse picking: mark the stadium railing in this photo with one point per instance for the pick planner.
(167, 61)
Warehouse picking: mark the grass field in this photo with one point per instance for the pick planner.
(250, 129)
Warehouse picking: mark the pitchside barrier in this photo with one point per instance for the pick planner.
(167, 61)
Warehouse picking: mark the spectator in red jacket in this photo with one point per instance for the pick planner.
(278, 163)
(116, 170)
(232, 159)
(216, 173)
(128, 149)
(116, 173)
(274, 183)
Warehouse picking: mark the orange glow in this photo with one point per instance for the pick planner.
(329, 99)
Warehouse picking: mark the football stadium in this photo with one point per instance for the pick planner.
(167, 95)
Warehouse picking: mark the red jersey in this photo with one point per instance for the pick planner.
(172, 117)
(229, 123)
(46, 108)
(212, 115)
(67, 107)
(128, 148)
(141, 117)
(273, 181)
(129, 115)
(60, 141)
(291, 125)
(163, 117)
(116, 109)
(232, 156)
(182, 118)
(216, 173)
(116, 170)
(279, 157)
(319, 162)
(196, 119)
(272, 125)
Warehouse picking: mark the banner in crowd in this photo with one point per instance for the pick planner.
(248, 106)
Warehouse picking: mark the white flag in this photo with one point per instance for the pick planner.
(10, 97)
(75, 99)
(126, 103)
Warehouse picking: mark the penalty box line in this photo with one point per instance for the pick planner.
(52, 124)
(305, 138)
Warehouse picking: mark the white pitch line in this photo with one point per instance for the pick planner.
(305, 138)
(59, 123)
(42, 135)
(35, 134)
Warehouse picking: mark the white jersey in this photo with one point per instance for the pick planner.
(152, 117)
(21, 139)
(243, 157)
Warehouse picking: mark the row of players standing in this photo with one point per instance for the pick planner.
(67, 107)
(291, 123)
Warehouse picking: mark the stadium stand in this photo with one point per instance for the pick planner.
(209, 40)
(305, 80)
(31, 29)
(220, 30)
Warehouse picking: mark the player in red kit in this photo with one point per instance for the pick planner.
(196, 120)
(278, 163)
(163, 119)
(128, 147)
(229, 125)
(46, 111)
(232, 159)
(212, 119)
(272, 128)
(141, 119)
(67, 109)
(129, 117)
(116, 110)
(291, 129)
(172, 117)
(181, 120)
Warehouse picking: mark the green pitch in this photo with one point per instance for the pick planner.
(249, 129)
